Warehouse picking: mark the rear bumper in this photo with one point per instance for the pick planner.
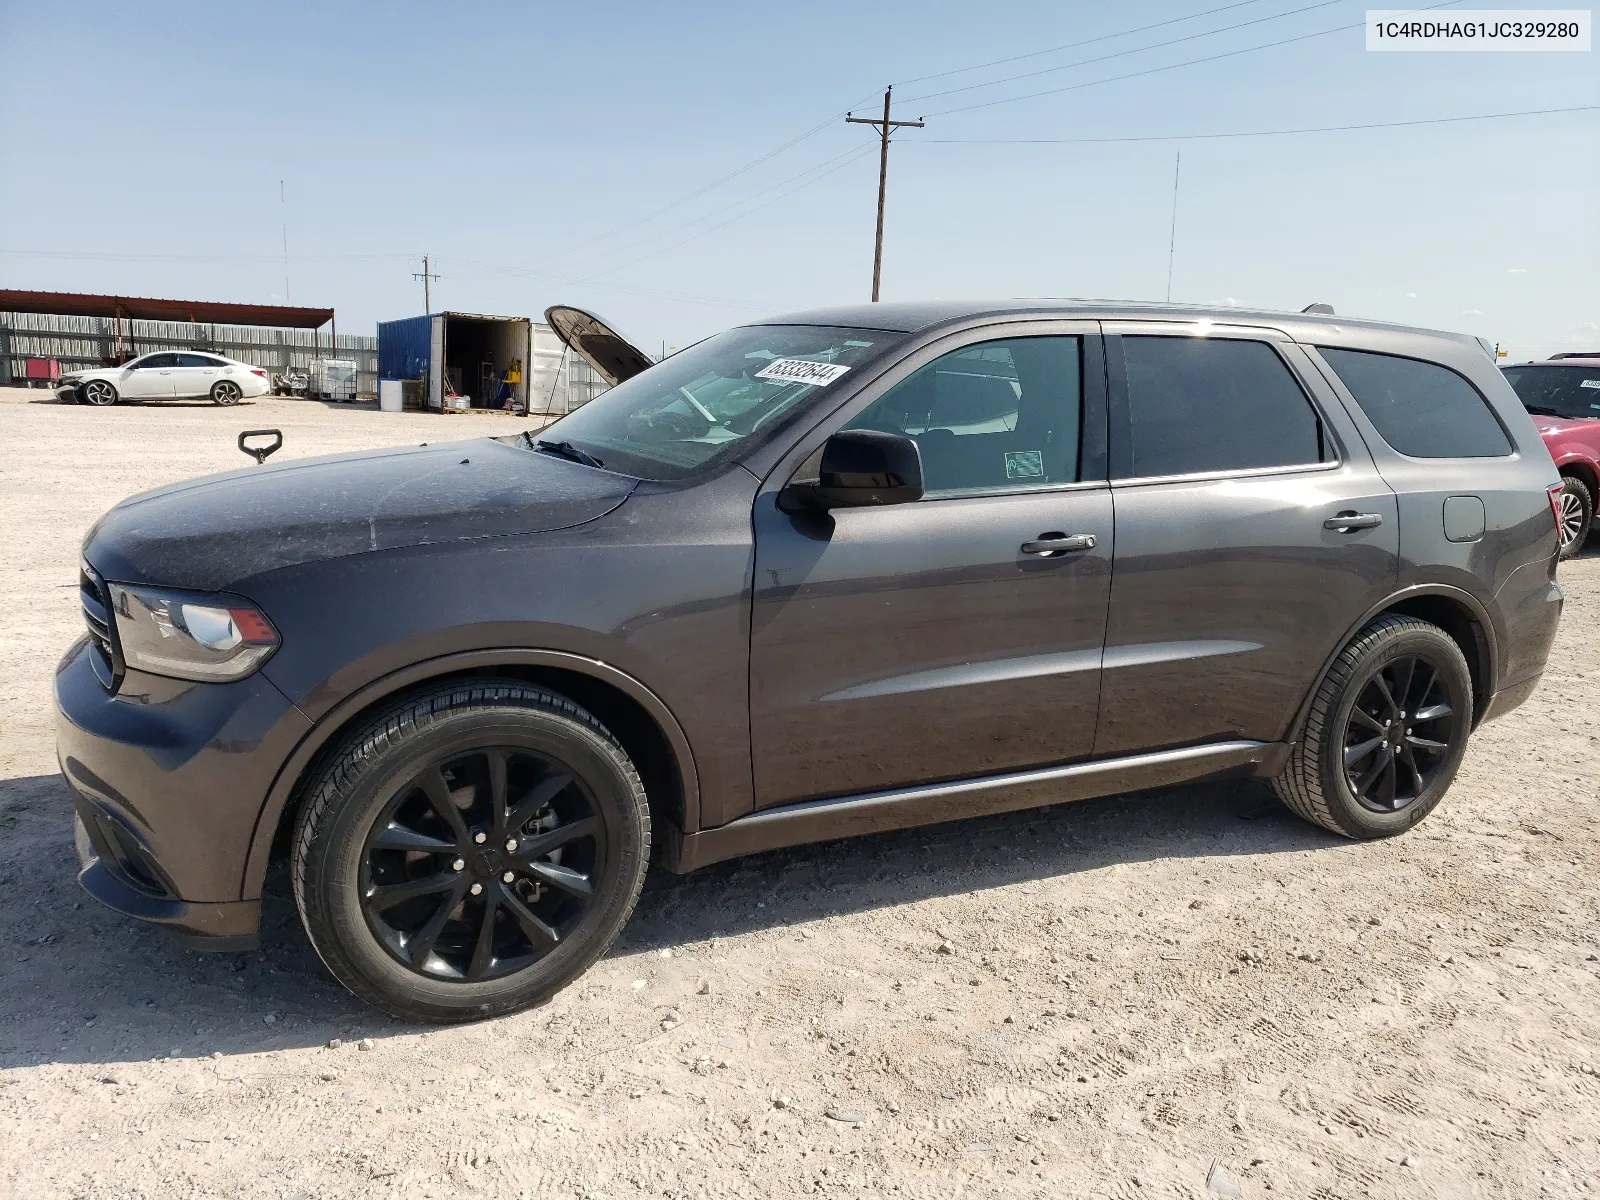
(1508, 698)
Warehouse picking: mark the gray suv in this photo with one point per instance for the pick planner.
(830, 574)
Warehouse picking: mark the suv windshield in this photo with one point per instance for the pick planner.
(698, 408)
(1557, 391)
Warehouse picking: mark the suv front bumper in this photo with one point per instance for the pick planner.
(168, 781)
(103, 872)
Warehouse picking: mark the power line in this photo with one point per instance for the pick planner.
(644, 241)
(860, 154)
(1243, 133)
(567, 259)
(1104, 37)
(561, 260)
(1072, 87)
(652, 293)
(114, 256)
(1083, 62)
(715, 183)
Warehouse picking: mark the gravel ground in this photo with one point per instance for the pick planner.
(1173, 994)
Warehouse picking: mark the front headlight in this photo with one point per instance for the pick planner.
(189, 635)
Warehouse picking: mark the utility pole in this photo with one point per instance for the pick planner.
(1172, 240)
(283, 210)
(883, 127)
(427, 299)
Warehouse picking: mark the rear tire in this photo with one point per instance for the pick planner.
(226, 392)
(1386, 734)
(513, 878)
(1577, 515)
(99, 393)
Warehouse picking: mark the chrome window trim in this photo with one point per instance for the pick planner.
(1077, 485)
(1239, 473)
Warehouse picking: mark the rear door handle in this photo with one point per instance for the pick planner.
(1349, 522)
(1059, 543)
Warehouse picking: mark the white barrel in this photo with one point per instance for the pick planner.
(389, 395)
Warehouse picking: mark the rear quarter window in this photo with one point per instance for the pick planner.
(1421, 409)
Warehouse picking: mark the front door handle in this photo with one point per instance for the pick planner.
(1349, 522)
(1059, 543)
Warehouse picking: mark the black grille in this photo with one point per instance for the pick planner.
(105, 653)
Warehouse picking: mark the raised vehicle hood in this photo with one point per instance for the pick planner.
(612, 356)
(212, 532)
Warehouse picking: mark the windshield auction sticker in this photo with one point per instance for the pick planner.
(1537, 29)
(801, 370)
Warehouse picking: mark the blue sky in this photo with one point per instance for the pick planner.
(522, 144)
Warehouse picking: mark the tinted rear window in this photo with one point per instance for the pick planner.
(1420, 408)
(1214, 404)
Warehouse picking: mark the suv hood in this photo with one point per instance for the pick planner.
(210, 533)
(1546, 423)
(613, 356)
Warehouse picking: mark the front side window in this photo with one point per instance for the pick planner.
(700, 407)
(1571, 392)
(997, 416)
(1421, 409)
(1199, 404)
(161, 362)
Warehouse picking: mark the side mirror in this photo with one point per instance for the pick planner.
(862, 468)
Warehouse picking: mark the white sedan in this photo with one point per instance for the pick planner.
(167, 375)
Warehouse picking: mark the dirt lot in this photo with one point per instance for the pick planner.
(1116, 999)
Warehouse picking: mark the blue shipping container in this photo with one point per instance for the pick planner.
(403, 347)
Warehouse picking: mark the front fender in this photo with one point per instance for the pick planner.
(336, 717)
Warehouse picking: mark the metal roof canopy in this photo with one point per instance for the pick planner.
(138, 308)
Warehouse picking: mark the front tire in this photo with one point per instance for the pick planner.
(1386, 734)
(226, 392)
(470, 852)
(99, 393)
(1576, 519)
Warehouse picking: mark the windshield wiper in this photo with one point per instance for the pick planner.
(570, 452)
(1542, 410)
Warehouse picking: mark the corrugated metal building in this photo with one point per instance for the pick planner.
(90, 331)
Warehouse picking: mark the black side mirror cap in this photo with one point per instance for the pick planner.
(862, 468)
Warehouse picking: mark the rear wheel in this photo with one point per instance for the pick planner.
(1386, 734)
(99, 393)
(470, 852)
(225, 392)
(1575, 507)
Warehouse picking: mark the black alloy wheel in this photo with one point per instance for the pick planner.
(1399, 734)
(1385, 733)
(481, 864)
(470, 850)
(226, 392)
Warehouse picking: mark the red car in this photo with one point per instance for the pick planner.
(1563, 394)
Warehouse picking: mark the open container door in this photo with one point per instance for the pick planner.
(612, 356)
